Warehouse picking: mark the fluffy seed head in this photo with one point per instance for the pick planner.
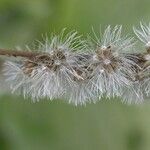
(49, 73)
(112, 69)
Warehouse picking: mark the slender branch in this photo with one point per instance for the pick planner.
(16, 53)
(30, 54)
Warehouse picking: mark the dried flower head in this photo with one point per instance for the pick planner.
(112, 69)
(51, 71)
(143, 33)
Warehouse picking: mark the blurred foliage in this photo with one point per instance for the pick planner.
(46, 125)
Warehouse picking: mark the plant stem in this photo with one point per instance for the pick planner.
(15, 53)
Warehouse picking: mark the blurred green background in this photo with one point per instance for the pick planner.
(55, 125)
